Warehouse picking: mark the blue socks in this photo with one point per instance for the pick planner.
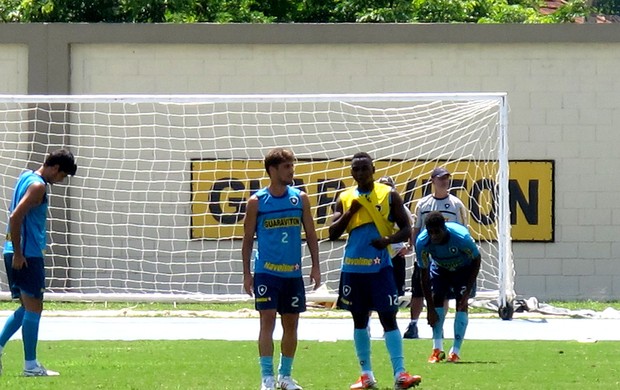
(266, 365)
(438, 327)
(12, 325)
(461, 319)
(30, 334)
(286, 365)
(361, 339)
(394, 344)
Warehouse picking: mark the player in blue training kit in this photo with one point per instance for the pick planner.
(276, 214)
(368, 213)
(449, 261)
(453, 210)
(24, 251)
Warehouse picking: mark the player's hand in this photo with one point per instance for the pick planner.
(315, 276)
(380, 243)
(405, 250)
(248, 284)
(432, 317)
(19, 262)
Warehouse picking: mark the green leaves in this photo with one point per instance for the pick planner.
(293, 11)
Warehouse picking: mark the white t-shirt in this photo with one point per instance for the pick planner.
(451, 207)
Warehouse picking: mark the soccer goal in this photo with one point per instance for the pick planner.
(155, 211)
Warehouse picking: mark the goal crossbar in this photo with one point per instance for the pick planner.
(156, 208)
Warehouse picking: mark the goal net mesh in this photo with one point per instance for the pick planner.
(156, 208)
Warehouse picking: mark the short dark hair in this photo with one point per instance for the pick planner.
(362, 155)
(64, 159)
(277, 156)
(435, 220)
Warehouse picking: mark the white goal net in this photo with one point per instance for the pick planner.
(156, 208)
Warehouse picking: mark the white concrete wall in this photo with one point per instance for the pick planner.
(564, 105)
(13, 69)
(13, 80)
(562, 83)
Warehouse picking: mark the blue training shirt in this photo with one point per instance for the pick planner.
(459, 251)
(360, 256)
(33, 234)
(278, 232)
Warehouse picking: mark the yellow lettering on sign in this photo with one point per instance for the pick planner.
(220, 189)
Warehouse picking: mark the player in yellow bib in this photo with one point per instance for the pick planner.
(368, 213)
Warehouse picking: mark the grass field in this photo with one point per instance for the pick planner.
(231, 365)
(214, 365)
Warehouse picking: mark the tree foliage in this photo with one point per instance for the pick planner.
(609, 7)
(292, 11)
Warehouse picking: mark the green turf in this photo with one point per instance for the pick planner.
(169, 308)
(231, 365)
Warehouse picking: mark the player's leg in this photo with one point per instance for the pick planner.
(292, 302)
(31, 281)
(417, 303)
(13, 321)
(461, 319)
(440, 287)
(353, 296)
(386, 303)
(266, 289)
(362, 344)
(400, 271)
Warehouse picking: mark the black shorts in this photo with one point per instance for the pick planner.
(451, 284)
(416, 284)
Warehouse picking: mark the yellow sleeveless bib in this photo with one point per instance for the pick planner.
(376, 208)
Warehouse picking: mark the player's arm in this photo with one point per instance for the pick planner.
(471, 282)
(462, 213)
(415, 230)
(411, 241)
(401, 219)
(311, 240)
(249, 228)
(33, 197)
(340, 219)
(425, 280)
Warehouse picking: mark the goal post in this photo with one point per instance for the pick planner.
(155, 211)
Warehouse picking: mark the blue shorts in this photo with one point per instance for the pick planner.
(286, 295)
(362, 292)
(29, 280)
(452, 284)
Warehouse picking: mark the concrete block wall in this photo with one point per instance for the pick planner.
(562, 84)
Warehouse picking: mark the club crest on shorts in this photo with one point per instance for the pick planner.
(261, 290)
(294, 200)
(346, 290)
